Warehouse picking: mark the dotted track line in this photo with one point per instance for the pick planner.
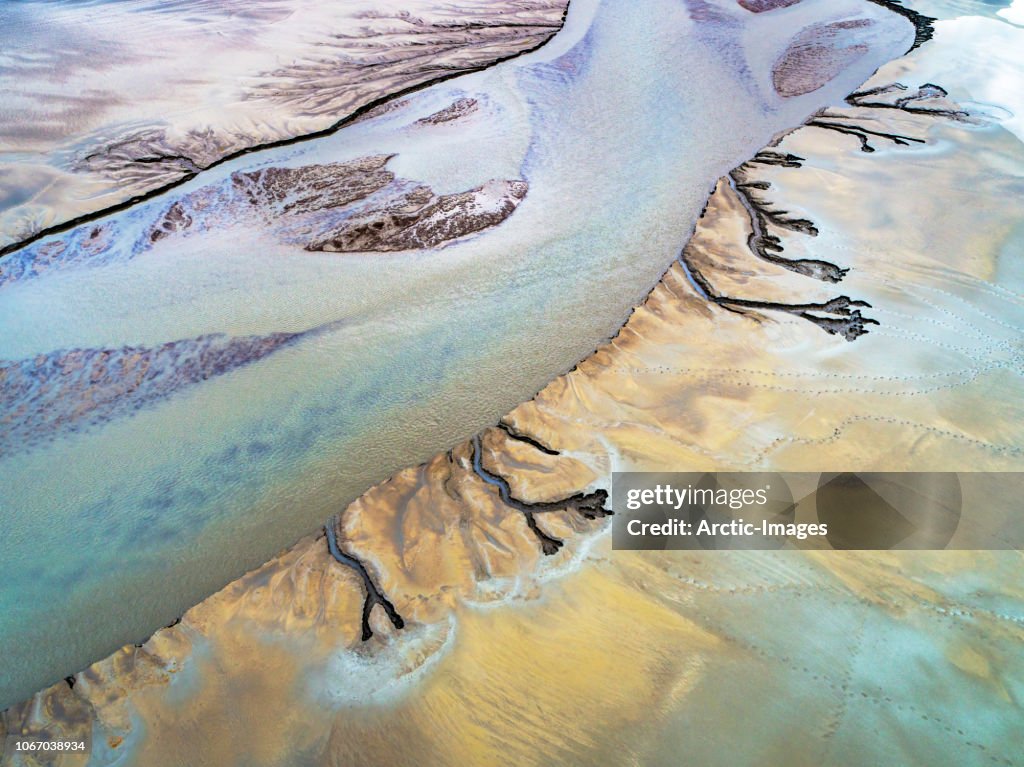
(960, 328)
(723, 372)
(972, 376)
(967, 351)
(838, 430)
(1017, 329)
(841, 687)
(832, 727)
(592, 424)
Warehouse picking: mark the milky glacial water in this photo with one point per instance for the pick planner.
(620, 125)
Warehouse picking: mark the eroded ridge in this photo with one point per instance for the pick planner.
(150, 157)
(768, 246)
(929, 100)
(587, 505)
(374, 596)
(519, 436)
(392, 49)
(840, 316)
(765, 220)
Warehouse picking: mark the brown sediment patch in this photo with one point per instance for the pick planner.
(817, 55)
(315, 187)
(175, 220)
(50, 394)
(456, 110)
(353, 206)
(760, 6)
(418, 219)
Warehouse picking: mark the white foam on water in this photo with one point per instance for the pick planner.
(384, 675)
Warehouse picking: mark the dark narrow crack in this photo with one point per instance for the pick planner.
(863, 133)
(517, 435)
(923, 25)
(587, 505)
(768, 246)
(188, 175)
(190, 165)
(861, 102)
(481, 25)
(772, 157)
(842, 315)
(70, 680)
(374, 596)
(908, 103)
